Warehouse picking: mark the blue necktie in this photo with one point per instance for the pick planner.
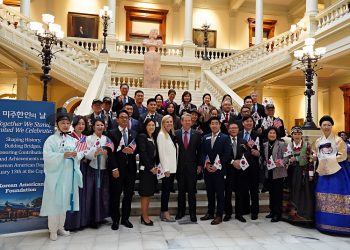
(125, 137)
(246, 136)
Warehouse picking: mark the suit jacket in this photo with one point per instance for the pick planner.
(281, 129)
(261, 110)
(148, 152)
(277, 153)
(191, 106)
(241, 150)
(168, 152)
(157, 117)
(221, 147)
(90, 118)
(118, 105)
(191, 157)
(142, 111)
(126, 163)
(232, 117)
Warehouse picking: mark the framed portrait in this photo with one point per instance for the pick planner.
(12, 2)
(198, 38)
(82, 25)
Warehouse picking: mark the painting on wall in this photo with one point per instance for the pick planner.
(198, 38)
(82, 25)
(12, 2)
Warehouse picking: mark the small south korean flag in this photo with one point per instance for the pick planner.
(270, 163)
(288, 151)
(217, 163)
(257, 143)
(244, 163)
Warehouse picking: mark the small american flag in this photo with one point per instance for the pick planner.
(207, 160)
(81, 144)
(277, 123)
(132, 145)
(109, 144)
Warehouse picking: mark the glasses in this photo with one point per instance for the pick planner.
(123, 117)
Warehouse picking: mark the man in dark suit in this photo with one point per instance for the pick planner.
(257, 107)
(96, 107)
(233, 130)
(245, 111)
(189, 165)
(123, 98)
(122, 166)
(133, 124)
(216, 150)
(227, 116)
(247, 181)
(106, 106)
(271, 120)
(139, 97)
(152, 114)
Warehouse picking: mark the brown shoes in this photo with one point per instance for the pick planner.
(217, 220)
(207, 217)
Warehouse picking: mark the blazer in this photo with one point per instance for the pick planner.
(221, 147)
(168, 152)
(189, 158)
(148, 152)
(261, 110)
(118, 105)
(126, 163)
(277, 153)
(157, 117)
(252, 160)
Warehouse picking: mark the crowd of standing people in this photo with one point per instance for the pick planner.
(245, 152)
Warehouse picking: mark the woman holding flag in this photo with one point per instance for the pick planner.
(97, 185)
(276, 163)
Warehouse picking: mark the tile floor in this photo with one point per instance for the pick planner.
(260, 234)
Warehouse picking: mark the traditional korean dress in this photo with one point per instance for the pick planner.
(77, 219)
(301, 188)
(97, 180)
(62, 176)
(333, 186)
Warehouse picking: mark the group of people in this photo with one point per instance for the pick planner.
(89, 169)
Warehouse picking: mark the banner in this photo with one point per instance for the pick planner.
(23, 131)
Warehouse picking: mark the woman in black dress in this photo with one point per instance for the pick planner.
(148, 159)
(170, 109)
(159, 101)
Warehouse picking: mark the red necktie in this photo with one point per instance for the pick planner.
(185, 140)
(226, 117)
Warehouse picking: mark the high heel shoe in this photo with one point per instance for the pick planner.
(150, 223)
(165, 219)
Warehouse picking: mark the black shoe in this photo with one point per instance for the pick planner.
(240, 218)
(193, 217)
(227, 217)
(254, 217)
(269, 216)
(150, 223)
(115, 226)
(264, 190)
(216, 221)
(275, 218)
(157, 191)
(172, 190)
(207, 217)
(179, 216)
(94, 225)
(127, 223)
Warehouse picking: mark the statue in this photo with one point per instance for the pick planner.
(151, 70)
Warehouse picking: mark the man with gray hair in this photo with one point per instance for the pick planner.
(189, 166)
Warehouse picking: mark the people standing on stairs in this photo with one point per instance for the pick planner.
(159, 102)
(275, 161)
(149, 159)
(301, 182)
(98, 113)
(107, 107)
(257, 107)
(185, 105)
(188, 167)
(233, 130)
(171, 99)
(271, 120)
(226, 116)
(123, 98)
(97, 201)
(245, 112)
(205, 108)
(168, 156)
(216, 150)
(213, 112)
(152, 114)
(139, 97)
(122, 169)
(333, 184)
(170, 109)
(61, 166)
(249, 150)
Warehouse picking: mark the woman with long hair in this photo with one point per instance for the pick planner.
(148, 154)
(159, 102)
(168, 152)
(170, 109)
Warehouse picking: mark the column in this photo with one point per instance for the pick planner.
(22, 85)
(259, 22)
(188, 22)
(111, 28)
(311, 7)
(25, 8)
(314, 101)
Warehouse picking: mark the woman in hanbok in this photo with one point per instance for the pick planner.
(97, 184)
(76, 220)
(62, 176)
(301, 186)
(333, 183)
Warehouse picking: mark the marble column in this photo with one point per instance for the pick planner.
(22, 85)
(25, 8)
(311, 7)
(259, 21)
(188, 22)
(111, 28)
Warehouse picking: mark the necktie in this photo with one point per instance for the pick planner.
(234, 147)
(226, 117)
(254, 108)
(213, 138)
(125, 137)
(246, 136)
(186, 140)
(125, 100)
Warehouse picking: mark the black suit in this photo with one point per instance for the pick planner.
(157, 118)
(247, 182)
(126, 164)
(118, 105)
(224, 123)
(90, 118)
(188, 161)
(260, 109)
(215, 182)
